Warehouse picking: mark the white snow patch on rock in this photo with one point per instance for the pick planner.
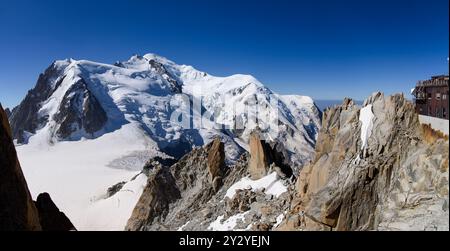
(181, 228)
(366, 118)
(227, 225)
(271, 184)
(279, 220)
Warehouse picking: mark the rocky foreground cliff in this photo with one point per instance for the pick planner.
(18, 212)
(375, 168)
(388, 172)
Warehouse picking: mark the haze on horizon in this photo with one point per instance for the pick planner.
(324, 49)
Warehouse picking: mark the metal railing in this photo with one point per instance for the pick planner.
(433, 82)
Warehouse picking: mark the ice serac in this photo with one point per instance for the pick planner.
(17, 209)
(379, 172)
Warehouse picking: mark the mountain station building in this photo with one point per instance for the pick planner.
(431, 97)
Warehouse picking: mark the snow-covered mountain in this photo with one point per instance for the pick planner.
(87, 126)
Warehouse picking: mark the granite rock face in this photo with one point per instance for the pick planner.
(172, 193)
(191, 195)
(259, 161)
(264, 154)
(153, 205)
(394, 178)
(216, 163)
(17, 209)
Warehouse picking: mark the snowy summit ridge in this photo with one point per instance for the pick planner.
(83, 99)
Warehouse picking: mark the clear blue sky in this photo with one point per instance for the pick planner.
(327, 49)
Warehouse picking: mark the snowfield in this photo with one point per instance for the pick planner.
(77, 176)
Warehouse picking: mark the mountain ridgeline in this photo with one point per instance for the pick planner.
(356, 167)
(82, 99)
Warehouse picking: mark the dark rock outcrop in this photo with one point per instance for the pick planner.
(153, 205)
(174, 84)
(8, 113)
(157, 162)
(79, 110)
(50, 218)
(17, 209)
(181, 190)
(24, 117)
(18, 212)
(264, 154)
(216, 163)
(114, 189)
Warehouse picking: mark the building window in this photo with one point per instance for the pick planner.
(444, 113)
(438, 96)
(429, 95)
(444, 96)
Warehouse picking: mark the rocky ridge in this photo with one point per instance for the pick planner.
(191, 195)
(395, 178)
